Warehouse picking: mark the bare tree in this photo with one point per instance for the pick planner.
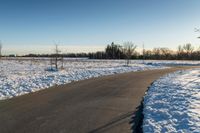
(166, 53)
(55, 58)
(180, 52)
(147, 54)
(57, 52)
(197, 30)
(179, 49)
(188, 49)
(156, 53)
(129, 49)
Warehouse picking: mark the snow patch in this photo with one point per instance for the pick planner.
(18, 77)
(172, 103)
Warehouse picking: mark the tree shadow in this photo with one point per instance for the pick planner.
(134, 118)
(137, 119)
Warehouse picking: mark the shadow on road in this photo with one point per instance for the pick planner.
(137, 119)
(134, 119)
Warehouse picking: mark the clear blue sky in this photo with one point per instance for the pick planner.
(31, 24)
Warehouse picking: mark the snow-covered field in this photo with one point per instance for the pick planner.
(172, 104)
(169, 62)
(19, 77)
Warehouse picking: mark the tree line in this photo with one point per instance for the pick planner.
(116, 51)
(129, 51)
(183, 52)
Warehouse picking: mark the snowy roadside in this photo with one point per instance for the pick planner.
(172, 62)
(172, 104)
(18, 77)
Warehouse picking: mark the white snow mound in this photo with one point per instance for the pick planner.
(172, 104)
(19, 77)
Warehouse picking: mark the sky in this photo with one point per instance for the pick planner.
(34, 26)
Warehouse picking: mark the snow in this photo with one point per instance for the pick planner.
(169, 62)
(172, 104)
(21, 76)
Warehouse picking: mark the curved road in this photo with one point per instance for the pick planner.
(105, 104)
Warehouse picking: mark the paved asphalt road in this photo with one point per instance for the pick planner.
(105, 104)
